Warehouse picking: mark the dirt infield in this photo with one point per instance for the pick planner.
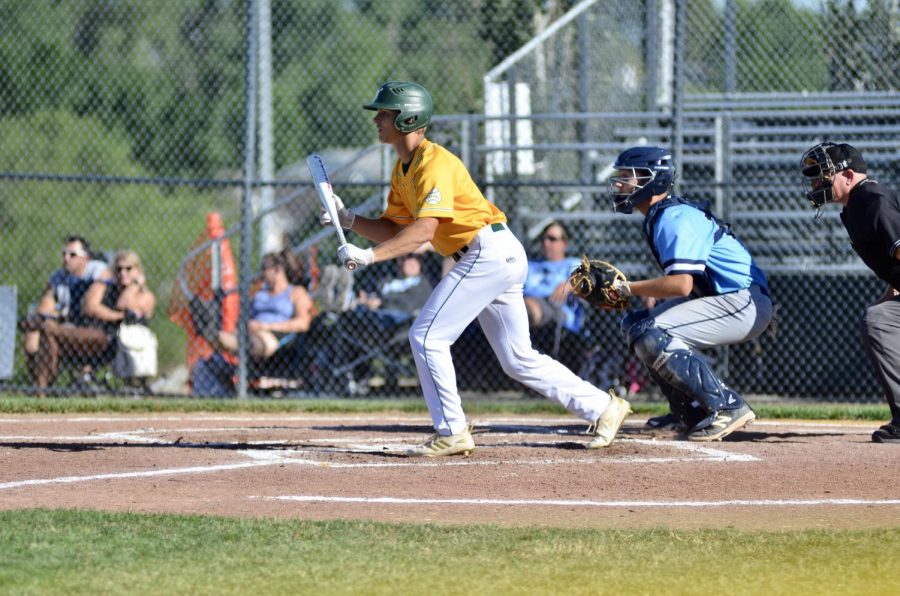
(526, 471)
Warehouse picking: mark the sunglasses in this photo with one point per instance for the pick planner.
(74, 253)
(125, 268)
(549, 238)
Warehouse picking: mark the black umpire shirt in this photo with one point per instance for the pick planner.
(872, 219)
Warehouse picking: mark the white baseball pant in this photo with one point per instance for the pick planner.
(487, 283)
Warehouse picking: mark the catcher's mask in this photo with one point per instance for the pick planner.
(819, 166)
(412, 100)
(641, 172)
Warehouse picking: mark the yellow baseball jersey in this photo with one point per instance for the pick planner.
(438, 185)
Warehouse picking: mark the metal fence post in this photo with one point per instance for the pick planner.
(678, 85)
(250, 91)
(651, 53)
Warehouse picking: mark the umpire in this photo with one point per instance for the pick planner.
(836, 173)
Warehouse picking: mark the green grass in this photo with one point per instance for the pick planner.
(474, 407)
(79, 552)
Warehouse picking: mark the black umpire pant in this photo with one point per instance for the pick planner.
(881, 340)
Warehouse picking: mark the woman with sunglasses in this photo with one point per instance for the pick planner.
(280, 310)
(125, 298)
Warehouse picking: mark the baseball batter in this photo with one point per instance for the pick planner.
(433, 199)
(713, 295)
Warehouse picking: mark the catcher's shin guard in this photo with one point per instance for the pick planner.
(684, 370)
(684, 407)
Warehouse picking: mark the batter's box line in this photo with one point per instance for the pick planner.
(269, 458)
(699, 453)
(579, 503)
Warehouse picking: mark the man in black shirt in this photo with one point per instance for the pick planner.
(837, 173)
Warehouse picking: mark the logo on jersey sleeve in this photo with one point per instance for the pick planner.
(434, 197)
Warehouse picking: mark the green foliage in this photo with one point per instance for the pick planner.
(859, 58)
(114, 553)
(171, 77)
(775, 55)
(779, 47)
(784, 45)
(160, 224)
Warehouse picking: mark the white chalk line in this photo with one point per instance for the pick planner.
(129, 475)
(580, 503)
(265, 457)
(366, 444)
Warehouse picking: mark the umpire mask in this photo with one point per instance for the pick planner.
(818, 174)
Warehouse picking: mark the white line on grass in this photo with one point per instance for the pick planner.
(580, 503)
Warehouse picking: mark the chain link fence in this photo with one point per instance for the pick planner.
(126, 123)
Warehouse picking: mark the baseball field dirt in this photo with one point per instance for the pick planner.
(527, 470)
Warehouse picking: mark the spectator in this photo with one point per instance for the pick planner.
(280, 309)
(547, 291)
(125, 298)
(58, 328)
(399, 298)
(372, 327)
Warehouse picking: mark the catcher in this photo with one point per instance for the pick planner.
(711, 294)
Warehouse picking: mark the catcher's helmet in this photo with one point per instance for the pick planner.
(819, 165)
(412, 100)
(641, 172)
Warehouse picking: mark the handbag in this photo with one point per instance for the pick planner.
(135, 352)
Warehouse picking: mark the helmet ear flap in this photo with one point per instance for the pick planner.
(412, 102)
(662, 182)
(406, 123)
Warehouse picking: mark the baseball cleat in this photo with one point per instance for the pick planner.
(666, 422)
(437, 445)
(724, 423)
(889, 433)
(609, 422)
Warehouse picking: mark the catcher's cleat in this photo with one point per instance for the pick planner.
(437, 445)
(723, 424)
(666, 422)
(609, 422)
(889, 433)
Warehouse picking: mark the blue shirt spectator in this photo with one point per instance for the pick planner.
(548, 297)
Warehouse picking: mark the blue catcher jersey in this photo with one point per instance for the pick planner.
(687, 238)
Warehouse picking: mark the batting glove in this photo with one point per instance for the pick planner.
(345, 216)
(349, 253)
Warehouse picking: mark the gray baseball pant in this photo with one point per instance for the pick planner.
(881, 340)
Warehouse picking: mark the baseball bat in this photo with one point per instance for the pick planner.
(323, 188)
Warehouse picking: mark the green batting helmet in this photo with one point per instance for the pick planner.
(411, 99)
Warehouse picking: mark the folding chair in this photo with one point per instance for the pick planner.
(353, 353)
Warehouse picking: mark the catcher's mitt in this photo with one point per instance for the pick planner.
(600, 284)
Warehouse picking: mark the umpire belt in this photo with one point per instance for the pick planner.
(496, 227)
